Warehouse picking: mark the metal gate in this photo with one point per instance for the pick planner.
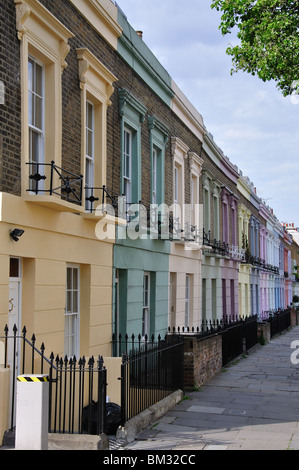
(77, 388)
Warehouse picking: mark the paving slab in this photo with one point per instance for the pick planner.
(215, 447)
(205, 409)
(190, 445)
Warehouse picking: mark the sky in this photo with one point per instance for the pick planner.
(254, 125)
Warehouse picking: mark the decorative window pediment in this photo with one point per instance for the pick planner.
(195, 163)
(161, 131)
(93, 73)
(126, 99)
(179, 149)
(42, 29)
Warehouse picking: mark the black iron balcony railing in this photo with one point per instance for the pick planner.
(217, 246)
(100, 198)
(237, 253)
(162, 222)
(260, 263)
(69, 187)
(191, 232)
(151, 218)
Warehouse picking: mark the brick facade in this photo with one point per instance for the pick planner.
(10, 111)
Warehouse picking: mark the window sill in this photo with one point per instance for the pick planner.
(55, 203)
(188, 244)
(98, 215)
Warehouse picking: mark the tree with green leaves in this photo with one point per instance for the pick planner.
(268, 32)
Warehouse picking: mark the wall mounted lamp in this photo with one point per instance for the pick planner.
(16, 233)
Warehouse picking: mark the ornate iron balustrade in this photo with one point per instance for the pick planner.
(237, 253)
(153, 218)
(106, 200)
(70, 188)
(206, 238)
(217, 246)
(258, 262)
(191, 232)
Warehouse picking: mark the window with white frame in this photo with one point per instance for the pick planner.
(176, 185)
(216, 216)
(158, 140)
(35, 119)
(154, 176)
(89, 153)
(127, 173)
(194, 190)
(208, 196)
(180, 154)
(196, 168)
(132, 114)
(206, 209)
(234, 209)
(233, 226)
(225, 223)
(146, 305)
(72, 311)
(43, 50)
(178, 197)
(96, 83)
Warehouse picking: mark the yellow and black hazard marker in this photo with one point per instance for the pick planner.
(32, 378)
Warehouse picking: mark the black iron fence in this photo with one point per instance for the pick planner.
(239, 334)
(150, 371)
(279, 321)
(250, 325)
(77, 388)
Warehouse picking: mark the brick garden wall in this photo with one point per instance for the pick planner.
(202, 360)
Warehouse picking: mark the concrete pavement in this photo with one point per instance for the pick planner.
(252, 405)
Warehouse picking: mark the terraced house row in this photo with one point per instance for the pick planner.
(118, 211)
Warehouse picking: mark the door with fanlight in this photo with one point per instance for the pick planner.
(172, 299)
(14, 327)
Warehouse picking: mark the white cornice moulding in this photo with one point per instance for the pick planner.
(102, 16)
(182, 107)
